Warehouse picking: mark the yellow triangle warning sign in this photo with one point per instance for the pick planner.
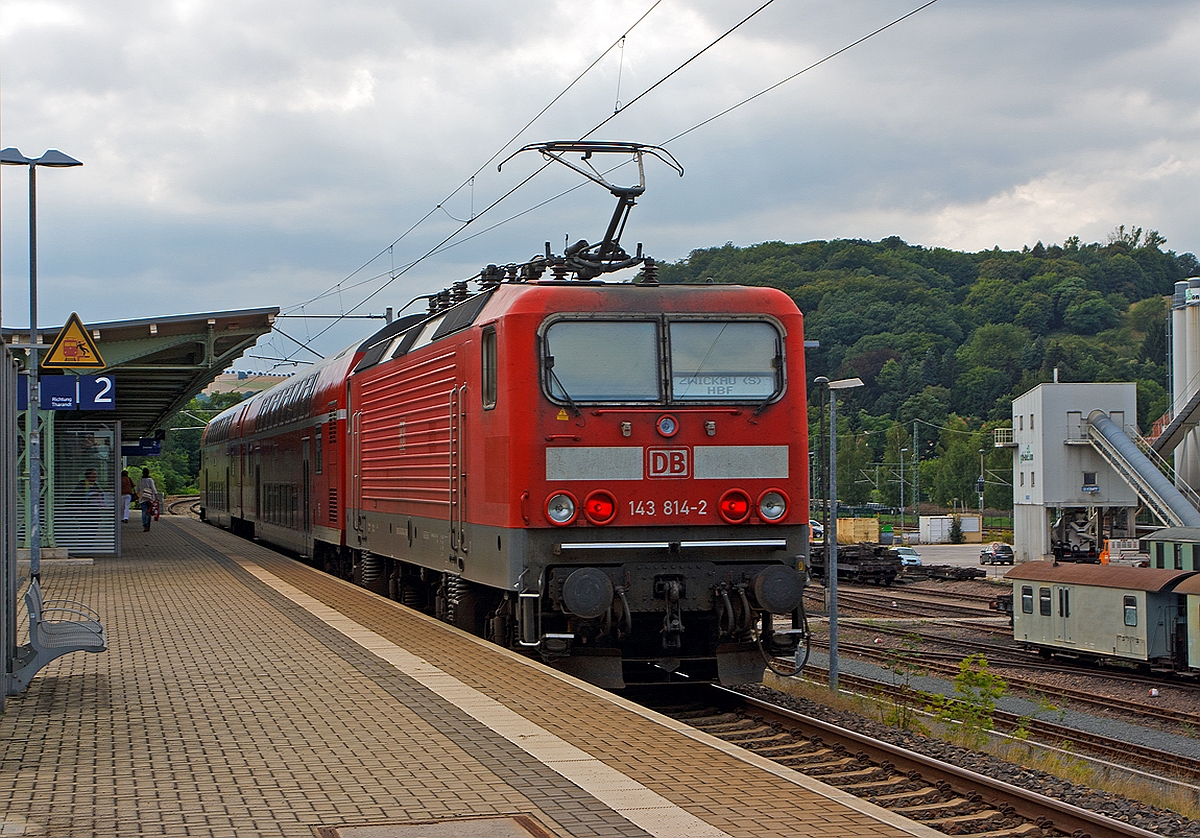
(73, 348)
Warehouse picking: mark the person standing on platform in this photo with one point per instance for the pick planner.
(127, 489)
(147, 495)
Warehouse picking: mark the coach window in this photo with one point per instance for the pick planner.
(601, 361)
(736, 360)
(1131, 611)
(1044, 601)
(1178, 556)
(490, 368)
(1027, 599)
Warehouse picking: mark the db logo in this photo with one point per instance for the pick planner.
(668, 462)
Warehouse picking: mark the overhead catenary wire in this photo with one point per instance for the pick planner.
(693, 57)
(445, 243)
(463, 225)
(799, 73)
(470, 180)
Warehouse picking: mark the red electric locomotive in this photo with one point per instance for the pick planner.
(609, 475)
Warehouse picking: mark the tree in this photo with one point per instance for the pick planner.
(1090, 313)
(934, 332)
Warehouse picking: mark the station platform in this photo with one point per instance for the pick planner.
(245, 694)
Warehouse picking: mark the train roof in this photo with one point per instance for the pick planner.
(546, 296)
(1190, 585)
(1100, 575)
(1176, 534)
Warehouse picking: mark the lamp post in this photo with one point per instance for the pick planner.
(831, 568)
(33, 443)
(903, 451)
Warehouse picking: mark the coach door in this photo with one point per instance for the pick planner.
(356, 472)
(459, 542)
(1063, 632)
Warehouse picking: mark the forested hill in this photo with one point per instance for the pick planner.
(947, 337)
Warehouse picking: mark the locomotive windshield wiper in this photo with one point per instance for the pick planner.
(554, 377)
(776, 362)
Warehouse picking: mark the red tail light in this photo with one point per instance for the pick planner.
(734, 506)
(600, 507)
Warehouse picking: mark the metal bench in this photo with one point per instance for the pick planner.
(56, 627)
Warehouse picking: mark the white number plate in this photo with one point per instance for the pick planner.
(650, 508)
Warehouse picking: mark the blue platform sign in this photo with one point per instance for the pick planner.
(70, 392)
(146, 447)
(58, 392)
(97, 392)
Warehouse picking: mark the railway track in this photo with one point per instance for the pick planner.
(184, 505)
(893, 603)
(947, 664)
(1014, 656)
(1122, 752)
(943, 797)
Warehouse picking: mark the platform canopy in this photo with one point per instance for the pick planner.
(159, 363)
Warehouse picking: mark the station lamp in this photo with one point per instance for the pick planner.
(831, 567)
(57, 160)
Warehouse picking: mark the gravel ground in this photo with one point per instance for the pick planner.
(1110, 723)
(1161, 821)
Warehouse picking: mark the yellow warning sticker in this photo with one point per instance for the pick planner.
(73, 348)
(562, 415)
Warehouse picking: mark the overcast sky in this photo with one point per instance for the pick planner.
(262, 152)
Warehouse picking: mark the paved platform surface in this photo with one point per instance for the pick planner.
(244, 694)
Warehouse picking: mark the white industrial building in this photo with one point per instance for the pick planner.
(1063, 488)
(1081, 470)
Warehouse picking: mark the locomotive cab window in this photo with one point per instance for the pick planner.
(490, 368)
(601, 361)
(590, 361)
(724, 361)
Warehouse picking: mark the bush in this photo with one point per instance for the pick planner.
(956, 533)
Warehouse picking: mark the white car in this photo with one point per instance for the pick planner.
(908, 556)
(818, 531)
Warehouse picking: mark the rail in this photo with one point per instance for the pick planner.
(941, 796)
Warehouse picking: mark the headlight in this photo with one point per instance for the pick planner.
(772, 506)
(560, 508)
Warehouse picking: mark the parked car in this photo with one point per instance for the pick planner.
(818, 531)
(996, 553)
(908, 556)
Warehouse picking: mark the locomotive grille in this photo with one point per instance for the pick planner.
(333, 505)
(333, 429)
